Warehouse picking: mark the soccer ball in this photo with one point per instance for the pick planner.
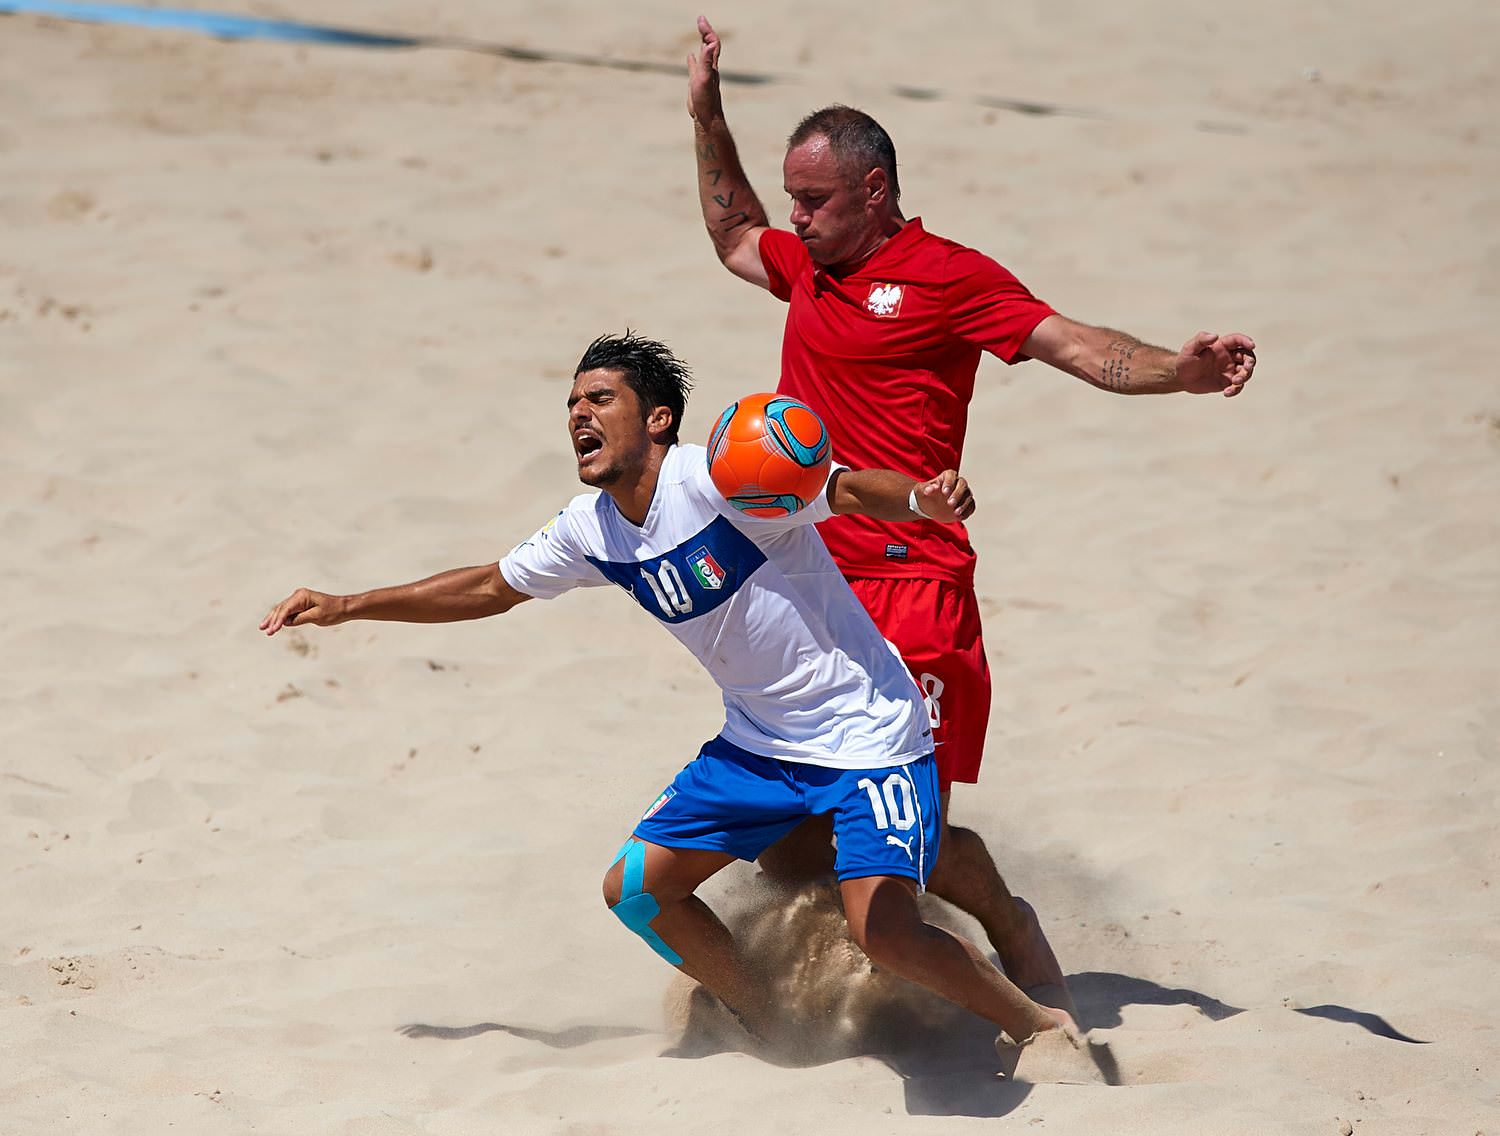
(768, 454)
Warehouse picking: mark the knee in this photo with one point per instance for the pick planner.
(963, 841)
(630, 877)
(634, 906)
(614, 883)
(959, 848)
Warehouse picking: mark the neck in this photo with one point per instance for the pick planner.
(633, 496)
(888, 228)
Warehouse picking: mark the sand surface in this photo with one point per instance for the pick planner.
(275, 315)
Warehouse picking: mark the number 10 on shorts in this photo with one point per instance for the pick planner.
(891, 802)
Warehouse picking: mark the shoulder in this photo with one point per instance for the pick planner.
(585, 504)
(920, 256)
(963, 263)
(582, 517)
(683, 459)
(785, 259)
(956, 260)
(683, 486)
(967, 272)
(573, 531)
(687, 471)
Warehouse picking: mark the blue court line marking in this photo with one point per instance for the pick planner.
(226, 25)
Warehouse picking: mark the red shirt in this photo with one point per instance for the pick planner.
(887, 355)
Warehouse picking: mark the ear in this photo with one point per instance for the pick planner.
(659, 422)
(877, 186)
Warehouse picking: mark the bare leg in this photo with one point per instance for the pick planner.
(965, 875)
(689, 928)
(885, 922)
(802, 855)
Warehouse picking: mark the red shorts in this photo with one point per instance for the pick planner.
(935, 626)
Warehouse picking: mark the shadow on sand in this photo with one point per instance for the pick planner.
(553, 1039)
(1101, 995)
(944, 1056)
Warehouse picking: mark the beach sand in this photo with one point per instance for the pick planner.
(274, 315)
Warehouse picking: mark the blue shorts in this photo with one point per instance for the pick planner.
(886, 820)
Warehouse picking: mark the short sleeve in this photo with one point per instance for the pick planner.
(990, 308)
(549, 563)
(785, 259)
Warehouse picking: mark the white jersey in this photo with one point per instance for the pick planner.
(805, 674)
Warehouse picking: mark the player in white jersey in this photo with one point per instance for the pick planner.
(821, 716)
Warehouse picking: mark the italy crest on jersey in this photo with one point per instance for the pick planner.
(707, 569)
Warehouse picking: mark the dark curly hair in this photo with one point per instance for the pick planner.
(650, 369)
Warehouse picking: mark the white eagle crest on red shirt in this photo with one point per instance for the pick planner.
(884, 300)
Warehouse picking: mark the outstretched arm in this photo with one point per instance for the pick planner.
(462, 593)
(733, 214)
(889, 496)
(1114, 361)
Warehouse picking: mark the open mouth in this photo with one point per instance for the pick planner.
(586, 444)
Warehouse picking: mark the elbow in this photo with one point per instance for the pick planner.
(724, 248)
(1076, 357)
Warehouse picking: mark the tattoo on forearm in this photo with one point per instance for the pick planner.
(1116, 371)
(711, 172)
(708, 152)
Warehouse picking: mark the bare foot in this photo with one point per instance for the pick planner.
(1061, 1056)
(1028, 961)
(1052, 997)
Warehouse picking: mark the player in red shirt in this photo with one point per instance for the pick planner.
(884, 333)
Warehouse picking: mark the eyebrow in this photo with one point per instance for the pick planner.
(591, 393)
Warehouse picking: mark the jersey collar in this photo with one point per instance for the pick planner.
(909, 232)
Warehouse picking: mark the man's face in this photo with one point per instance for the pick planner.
(830, 214)
(610, 439)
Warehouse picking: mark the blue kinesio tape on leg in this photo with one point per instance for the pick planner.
(637, 907)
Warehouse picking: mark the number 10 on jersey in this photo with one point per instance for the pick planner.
(667, 586)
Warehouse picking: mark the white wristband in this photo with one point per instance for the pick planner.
(915, 506)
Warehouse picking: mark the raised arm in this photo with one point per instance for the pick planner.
(889, 496)
(462, 593)
(733, 214)
(1114, 361)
